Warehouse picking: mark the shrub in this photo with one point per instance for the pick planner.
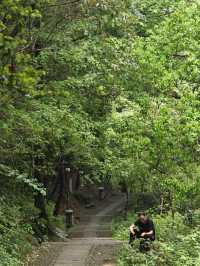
(15, 234)
(177, 244)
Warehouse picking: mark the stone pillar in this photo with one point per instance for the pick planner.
(101, 193)
(69, 217)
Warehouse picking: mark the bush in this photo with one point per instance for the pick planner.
(16, 233)
(176, 244)
(8, 259)
(55, 221)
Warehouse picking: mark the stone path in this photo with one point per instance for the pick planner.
(92, 231)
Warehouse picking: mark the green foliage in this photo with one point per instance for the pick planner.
(15, 241)
(22, 178)
(151, 136)
(176, 244)
(110, 86)
(55, 221)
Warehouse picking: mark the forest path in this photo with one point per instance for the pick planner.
(94, 230)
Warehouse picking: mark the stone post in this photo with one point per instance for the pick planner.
(69, 218)
(101, 193)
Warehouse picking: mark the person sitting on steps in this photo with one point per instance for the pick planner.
(143, 228)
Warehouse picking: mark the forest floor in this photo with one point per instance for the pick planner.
(91, 240)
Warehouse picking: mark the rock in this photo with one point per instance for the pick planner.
(89, 205)
(60, 234)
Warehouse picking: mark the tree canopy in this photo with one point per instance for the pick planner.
(109, 87)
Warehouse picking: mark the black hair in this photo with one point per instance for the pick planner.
(142, 214)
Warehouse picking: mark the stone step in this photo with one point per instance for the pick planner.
(91, 226)
(92, 230)
(91, 233)
(101, 218)
(76, 251)
(88, 240)
(97, 240)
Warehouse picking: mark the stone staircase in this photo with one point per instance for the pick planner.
(93, 230)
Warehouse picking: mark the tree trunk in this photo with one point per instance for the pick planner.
(41, 205)
(39, 198)
(61, 200)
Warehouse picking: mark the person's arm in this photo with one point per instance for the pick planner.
(132, 227)
(147, 233)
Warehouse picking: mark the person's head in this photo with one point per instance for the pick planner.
(142, 217)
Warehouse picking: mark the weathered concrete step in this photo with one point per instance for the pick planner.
(95, 232)
(96, 240)
(92, 227)
(91, 230)
(89, 240)
(101, 218)
(102, 233)
(73, 255)
(76, 252)
(85, 222)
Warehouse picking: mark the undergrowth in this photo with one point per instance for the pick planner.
(19, 232)
(177, 243)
